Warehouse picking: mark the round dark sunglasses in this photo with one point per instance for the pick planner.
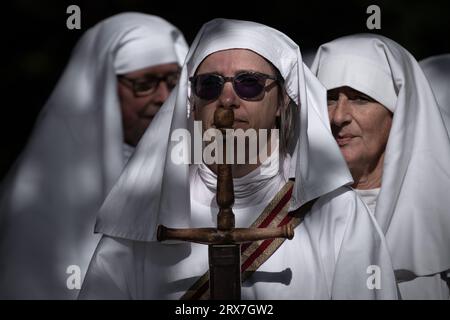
(247, 85)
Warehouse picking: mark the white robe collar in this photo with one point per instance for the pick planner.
(251, 188)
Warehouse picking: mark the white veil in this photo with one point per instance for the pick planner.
(413, 208)
(153, 189)
(142, 199)
(75, 154)
(437, 71)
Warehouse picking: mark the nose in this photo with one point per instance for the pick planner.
(228, 98)
(162, 93)
(340, 113)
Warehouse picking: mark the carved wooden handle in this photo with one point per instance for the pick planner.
(223, 119)
(225, 232)
(234, 236)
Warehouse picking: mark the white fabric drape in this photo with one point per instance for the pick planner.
(75, 154)
(413, 207)
(332, 249)
(319, 168)
(437, 71)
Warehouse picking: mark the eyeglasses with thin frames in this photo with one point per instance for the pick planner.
(146, 86)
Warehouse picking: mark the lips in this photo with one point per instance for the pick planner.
(239, 123)
(344, 139)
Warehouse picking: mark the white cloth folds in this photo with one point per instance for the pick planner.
(437, 71)
(332, 249)
(319, 167)
(75, 154)
(413, 207)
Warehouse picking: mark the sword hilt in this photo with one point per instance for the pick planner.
(224, 241)
(225, 233)
(216, 236)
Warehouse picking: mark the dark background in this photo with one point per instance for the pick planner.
(38, 44)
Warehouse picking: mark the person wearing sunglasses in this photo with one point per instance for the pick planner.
(115, 82)
(251, 94)
(256, 72)
(391, 132)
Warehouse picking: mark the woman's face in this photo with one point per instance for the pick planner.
(139, 111)
(360, 126)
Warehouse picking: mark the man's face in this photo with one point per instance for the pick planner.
(360, 126)
(259, 114)
(140, 101)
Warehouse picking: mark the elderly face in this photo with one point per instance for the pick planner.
(141, 95)
(258, 114)
(360, 126)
